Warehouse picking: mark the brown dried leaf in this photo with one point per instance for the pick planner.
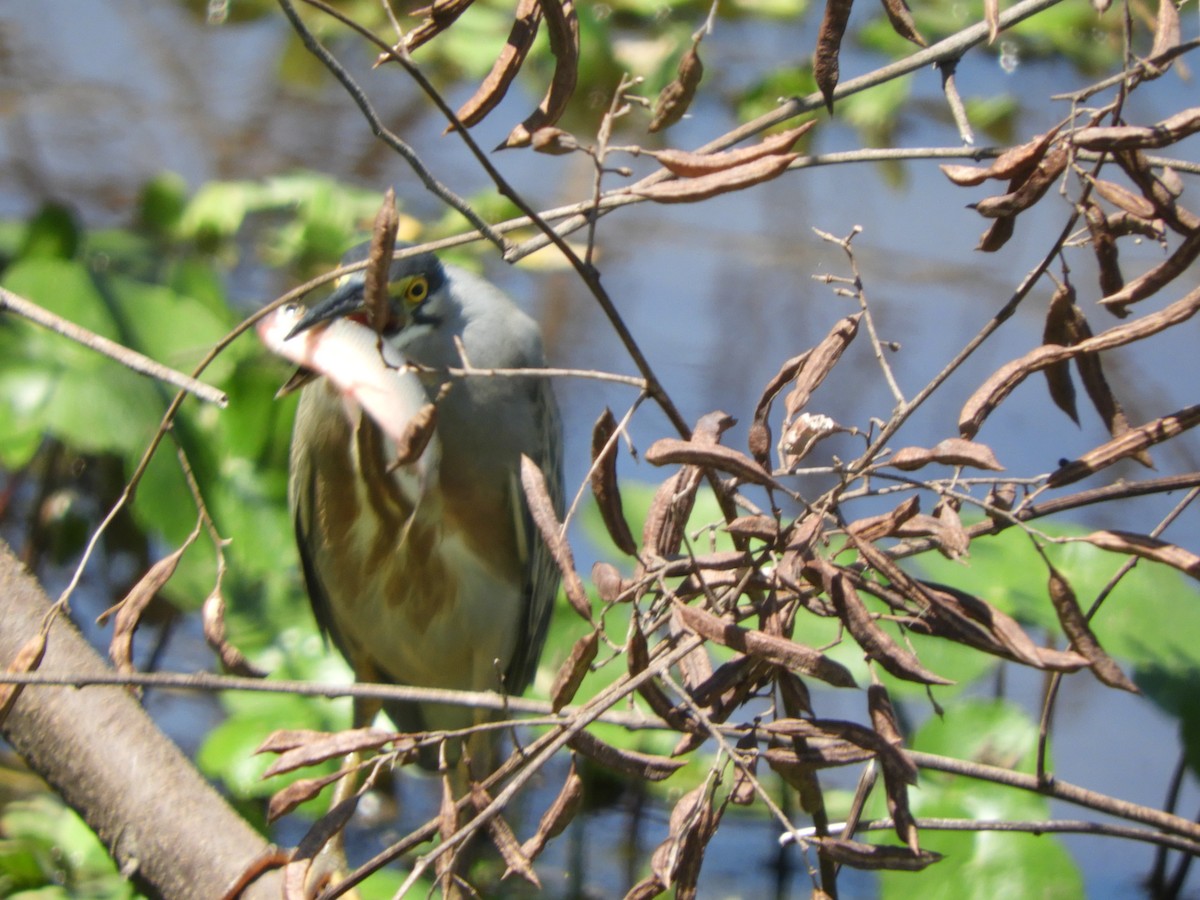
(1061, 328)
(447, 825)
(875, 528)
(1075, 626)
(975, 622)
(777, 650)
(1166, 29)
(573, 670)
(997, 235)
(233, 661)
(1139, 137)
(950, 452)
(604, 482)
(1007, 377)
(504, 840)
(669, 512)
(628, 762)
(1123, 198)
(1104, 243)
(1128, 444)
(691, 165)
(129, 610)
(1157, 278)
(883, 715)
(1147, 548)
(562, 27)
(666, 451)
(439, 17)
(28, 658)
(691, 190)
(329, 746)
(560, 814)
(829, 43)
(507, 64)
(541, 508)
(875, 642)
(300, 791)
(952, 539)
(416, 435)
(1029, 191)
(1016, 163)
(673, 101)
(795, 766)
(694, 820)
(289, 739)
(873, 856)
(646, 889)
(763, 528)
(901, 18)
(379, 264)
(607, 579)
(991, 15)
(295, 875)
(553, 141)
(820, 362)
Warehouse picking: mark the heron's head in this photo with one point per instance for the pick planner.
(416, 291)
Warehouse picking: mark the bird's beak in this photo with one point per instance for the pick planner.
(345, 301)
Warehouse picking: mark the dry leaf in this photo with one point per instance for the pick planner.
(950, 452)
(1075, 626)
(300, 791)
(507, 64)
(377, 274)
(991, 15)
(1130, 443)
(873, 856)
(233, 661)
(666, 451)
(829, 43)
(608, 581)
(777, 650)
(562, 26)
(1061, 328)
(691, 165)
(901, 18)
(876, 527)
(325, 747)
(28, 658)
(1139, 137)
(1166, 30)
(673, 101)
(129, 610)
(440, 16)
(560, 814)
(504, 840)
(692, 190)
(541, 508)
(820, 362)
(1007, 377)
(875, 642)
(1157, 278)
(1147, 548)
(604, 482)
(573, 670)
(629, 762)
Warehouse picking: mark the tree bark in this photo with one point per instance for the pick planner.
(162, 822)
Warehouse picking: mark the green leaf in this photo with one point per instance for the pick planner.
(983, 865)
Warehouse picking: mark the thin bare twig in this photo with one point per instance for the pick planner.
(131, 359)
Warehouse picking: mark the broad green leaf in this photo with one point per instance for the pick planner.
(983, 865)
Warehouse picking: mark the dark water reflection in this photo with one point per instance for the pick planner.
(99, 97)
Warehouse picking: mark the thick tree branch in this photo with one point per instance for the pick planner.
(163, 823)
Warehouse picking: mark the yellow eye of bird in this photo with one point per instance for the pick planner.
(417, 291)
